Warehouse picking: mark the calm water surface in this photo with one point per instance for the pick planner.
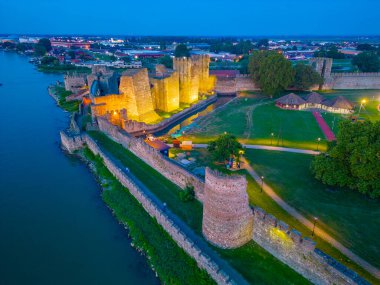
(54, 227)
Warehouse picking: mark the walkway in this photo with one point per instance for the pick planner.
(330, 136)
(201, 243)
(266, 147)
(321, 233)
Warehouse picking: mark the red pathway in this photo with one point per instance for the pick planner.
(324, 127)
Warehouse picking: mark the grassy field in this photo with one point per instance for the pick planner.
(351, 218)
(61, 94)
(253, 120)
(254, 263)
(260, 199)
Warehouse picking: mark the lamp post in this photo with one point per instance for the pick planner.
(319, 140)
(262, 184)
(315, 222)
(362, 102)
(271, 138)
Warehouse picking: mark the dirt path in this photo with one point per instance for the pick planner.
(309, 224)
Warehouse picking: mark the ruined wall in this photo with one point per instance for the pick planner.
(165, 92)
(74, 82)
(188, 82)
(167, 167)
(244, 82)
(299, 252)
(157, 211)
(71, 143)
(227, 217)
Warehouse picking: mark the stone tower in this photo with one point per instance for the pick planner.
(201, 67)
(135, 87)
(165, 91)
(188, 82)
(322, 65)
(227, 217)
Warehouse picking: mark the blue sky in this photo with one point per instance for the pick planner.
(191, 17)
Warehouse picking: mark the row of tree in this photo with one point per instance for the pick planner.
(274, 73)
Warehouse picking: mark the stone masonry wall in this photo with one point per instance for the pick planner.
(370, 80)
(156, 211)
(227, 218)
(165, 92)
(232, 85)
(167, 167)
(298, 252)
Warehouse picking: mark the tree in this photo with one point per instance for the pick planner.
(181, 50)
(167, 61)
(224, 147)
(46, 43)
(367, 62)
(331, 52)
(305, 77)
(262, 44)
(162, 46)
(39, 50)
(353, 161)
(49, 60)
(271, 71)
(365, 47)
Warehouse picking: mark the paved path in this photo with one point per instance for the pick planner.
(267, 147)
(321, 233)
(330, 136)
(201, 243)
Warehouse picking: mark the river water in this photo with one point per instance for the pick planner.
(54, 227)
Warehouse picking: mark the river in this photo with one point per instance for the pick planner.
(54, 227)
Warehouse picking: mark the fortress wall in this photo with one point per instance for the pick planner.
(370, 80)
(167, 167)
(71, 143)
(231, 85)
(299, 252)
(110, 103)
(245, 83)
(135, 127)
(156, 210)
(74, 82)
(165, 92)
(227, 217)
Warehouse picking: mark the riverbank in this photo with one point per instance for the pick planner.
(165, 257)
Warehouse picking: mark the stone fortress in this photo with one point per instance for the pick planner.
(344, 80)
(136, 96)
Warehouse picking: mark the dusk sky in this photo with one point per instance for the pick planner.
(191, 17)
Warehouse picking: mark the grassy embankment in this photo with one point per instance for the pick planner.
(61, 95)
(171, 263)
(253, 262)
(348, 216)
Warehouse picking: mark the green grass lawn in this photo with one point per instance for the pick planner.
(72, 106)
(348, 216)
(372, 98)
(254, 125)
(253, 262)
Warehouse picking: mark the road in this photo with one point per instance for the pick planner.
(309, 224)
(201, 243)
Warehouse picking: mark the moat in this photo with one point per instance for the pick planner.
(55, 229)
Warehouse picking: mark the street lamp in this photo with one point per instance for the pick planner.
(262, 184)
(225, 133)
(315, 222)
(362, 102)
(271, 138)
(319, 140)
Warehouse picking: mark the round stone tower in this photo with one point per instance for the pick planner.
(227, 217)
